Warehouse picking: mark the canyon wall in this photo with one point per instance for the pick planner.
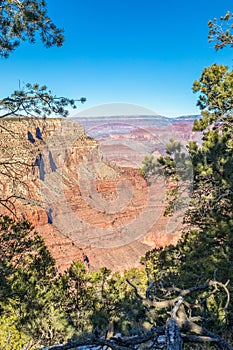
(55, 175)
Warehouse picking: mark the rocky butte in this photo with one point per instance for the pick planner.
(82, 190)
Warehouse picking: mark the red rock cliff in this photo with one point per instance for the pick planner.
(76, 201)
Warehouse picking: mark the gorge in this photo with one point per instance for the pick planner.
(78, 182)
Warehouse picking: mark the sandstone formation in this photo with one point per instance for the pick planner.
(55, 176)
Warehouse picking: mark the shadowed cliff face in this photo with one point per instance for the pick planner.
(77, 201)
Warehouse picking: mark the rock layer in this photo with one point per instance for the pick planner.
(76, 201)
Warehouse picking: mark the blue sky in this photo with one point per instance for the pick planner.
(132, 51)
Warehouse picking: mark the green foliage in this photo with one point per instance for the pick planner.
(177, 170)
(214, 160)
(104, 300)
(10, 337)
(215, 89)
(30, 305)
(149, 168)
(220, 32)
(204, 251)
(21, 20)
(33, 100)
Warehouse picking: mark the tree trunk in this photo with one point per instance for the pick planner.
(173, 337)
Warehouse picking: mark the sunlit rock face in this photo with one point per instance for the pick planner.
(82, 189)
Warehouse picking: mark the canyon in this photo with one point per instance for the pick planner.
(78, 182)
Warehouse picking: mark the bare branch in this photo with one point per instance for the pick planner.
(135, 289)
